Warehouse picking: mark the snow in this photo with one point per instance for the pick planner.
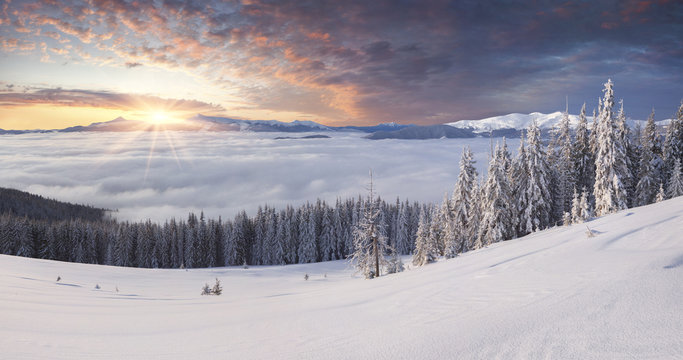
(552, 294)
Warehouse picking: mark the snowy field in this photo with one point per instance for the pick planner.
(159, 176)
(556, 294)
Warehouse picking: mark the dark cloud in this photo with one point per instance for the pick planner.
(131, 65)
(354, 58)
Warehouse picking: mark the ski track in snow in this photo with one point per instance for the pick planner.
(555, 294)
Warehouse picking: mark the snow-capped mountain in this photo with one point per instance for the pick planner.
(515, 121)
(519, 121)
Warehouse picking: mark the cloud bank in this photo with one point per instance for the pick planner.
(223, 173)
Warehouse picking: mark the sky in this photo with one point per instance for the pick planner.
(65, 63)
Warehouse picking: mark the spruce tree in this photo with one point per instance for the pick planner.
(426, 250)
(609, 190)
(661, 196)
(519, 181)
(584, 163)
(464, 201)
(673, 143)
(564, 166)
(650, 166)
(675, 184)
(497, 212)
(369, 241)
(537, 213)
(576, 208)
(624, 155)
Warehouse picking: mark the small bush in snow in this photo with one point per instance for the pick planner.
(217, 289)
(306, 277)
(206, 290)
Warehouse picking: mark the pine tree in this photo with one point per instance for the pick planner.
(307, 247)
(403, 237)
(519, 182)
(584, 163)
(370, 244)
(609, 190)
(450, 234)
(327, 236)
(673, 143)
(650, 166)
(436, 229)
(474, 220)
(426, 250)
(536, 214)
(463, 204)
(564, 166)
(497, 223)
(661, 196)
(624, 159)
(675, 184)
(576, 208)
(586, 212)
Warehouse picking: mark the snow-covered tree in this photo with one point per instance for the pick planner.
(673, 143)
(536, 214)
(661, 196)
(327, 236)
(649, 171)
(403, 236)
(369, 241)
(609, 190)
(426, 250)
(675, 184)
(624, 140)
(497, 221)
(308, 251)
(564, 166)
(463, 205)
(584, 163)
(519, 181)
(450, 233)
(586, 211)
(576, 208)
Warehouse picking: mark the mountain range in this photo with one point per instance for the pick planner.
(509, 125)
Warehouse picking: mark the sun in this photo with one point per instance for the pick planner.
(160, 117)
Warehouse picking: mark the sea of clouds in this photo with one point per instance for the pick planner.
(158, 176)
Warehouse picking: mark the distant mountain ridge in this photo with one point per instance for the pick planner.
(201, 122)
(509, 125)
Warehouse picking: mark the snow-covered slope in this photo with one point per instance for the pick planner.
(557, 294)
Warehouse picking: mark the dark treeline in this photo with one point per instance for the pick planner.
(20, 203)
(309, 233)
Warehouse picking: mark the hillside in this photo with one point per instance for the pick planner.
(552, 294)
(20, 203)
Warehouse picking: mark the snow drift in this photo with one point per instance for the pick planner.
(553, 294)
